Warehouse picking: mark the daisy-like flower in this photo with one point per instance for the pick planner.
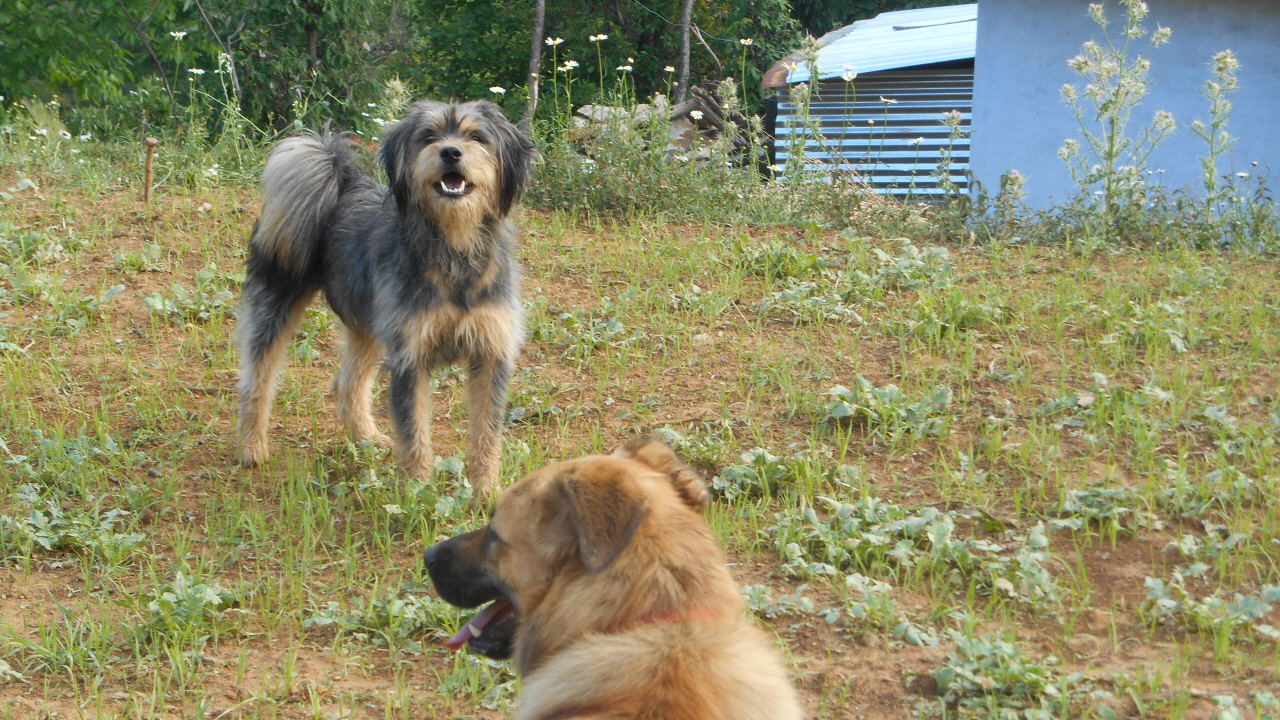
(792, 67)
(1242, 174)
(554, 41)
(178, 34)
(887, 101)
(871, 121)
(64, 134)
(85, 137)
(850, 72)
(498, 90)
(570, 64)
(624, 68)
(747, 41)
(42, 131)
(371, 104)
(668, 69)
(195, 71)
(695, 114)
(916, 142)
(598, 38)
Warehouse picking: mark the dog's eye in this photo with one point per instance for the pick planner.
(477, 137)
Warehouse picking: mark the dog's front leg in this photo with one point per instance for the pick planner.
(411, 410)
(486, 413)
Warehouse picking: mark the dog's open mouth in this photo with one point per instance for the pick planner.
(453, 184)
(489, 632)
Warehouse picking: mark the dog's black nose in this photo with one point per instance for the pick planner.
(450, 154)
(431, 556)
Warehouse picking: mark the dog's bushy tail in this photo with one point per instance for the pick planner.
(301, 184)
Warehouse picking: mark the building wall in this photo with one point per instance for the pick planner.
(1020, 121)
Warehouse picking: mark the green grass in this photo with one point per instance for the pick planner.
(969, 480)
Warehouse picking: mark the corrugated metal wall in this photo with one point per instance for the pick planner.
(856, 135)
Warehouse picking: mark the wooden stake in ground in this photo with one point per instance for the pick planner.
(146, 187)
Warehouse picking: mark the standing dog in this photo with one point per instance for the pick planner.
(423, 269)
(613, 597)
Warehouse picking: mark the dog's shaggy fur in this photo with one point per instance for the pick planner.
(623, 606)
(423, 269)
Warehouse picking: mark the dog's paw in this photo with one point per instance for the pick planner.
(383, 441)
(658, 456)
(253, 455)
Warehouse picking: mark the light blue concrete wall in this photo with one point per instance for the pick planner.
(1020, 121)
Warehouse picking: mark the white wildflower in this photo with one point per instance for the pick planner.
(85, 137)
(850, 72)
(695, 114)
(42, 131)
(624, 68)
(64, 134)
(668, 69)
(178, 34)
(498, 90)
(554, 41)
(195, 71)
(887, 101)
(747, 41)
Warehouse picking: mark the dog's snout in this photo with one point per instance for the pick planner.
(450, 153)
(431, 557)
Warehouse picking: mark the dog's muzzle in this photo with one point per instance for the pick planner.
(453, 183)
(457, 570)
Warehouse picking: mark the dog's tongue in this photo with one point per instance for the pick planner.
(454, 182)
(496, 611)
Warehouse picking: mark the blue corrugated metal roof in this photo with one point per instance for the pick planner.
(897, 40)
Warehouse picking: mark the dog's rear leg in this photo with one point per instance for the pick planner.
(486, 413)
(269, 317)
(354, 383)
(411, 410)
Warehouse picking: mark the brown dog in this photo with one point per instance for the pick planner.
(613, 597)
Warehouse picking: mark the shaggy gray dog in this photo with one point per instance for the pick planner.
(423, 270)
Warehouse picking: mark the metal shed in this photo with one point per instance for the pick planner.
(922, 60)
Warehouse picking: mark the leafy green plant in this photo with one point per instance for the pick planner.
(50, 529)
(185, 610)
(774, 260)
(808, 302)
(867, 534)
(398, 622)
(988, 677)
(886, 412)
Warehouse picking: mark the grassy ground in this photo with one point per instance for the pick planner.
(988, 481)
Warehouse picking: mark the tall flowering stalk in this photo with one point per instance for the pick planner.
(596, 40)
(1214, 132)
(1111, 160)
(554, 44)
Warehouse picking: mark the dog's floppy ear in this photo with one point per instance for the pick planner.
(687, 482)
(515, 155)
(604, 513)
(394, 155)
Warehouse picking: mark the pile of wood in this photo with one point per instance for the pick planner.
(694, 123)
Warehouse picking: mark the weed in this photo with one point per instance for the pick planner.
(886, 412)
(47, 527)
(211, 297)
(988, 677)
(399, 623)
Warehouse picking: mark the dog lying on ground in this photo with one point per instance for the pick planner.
(610, 592)
(423, 269)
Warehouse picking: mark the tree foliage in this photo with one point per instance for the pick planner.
(110, 61)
